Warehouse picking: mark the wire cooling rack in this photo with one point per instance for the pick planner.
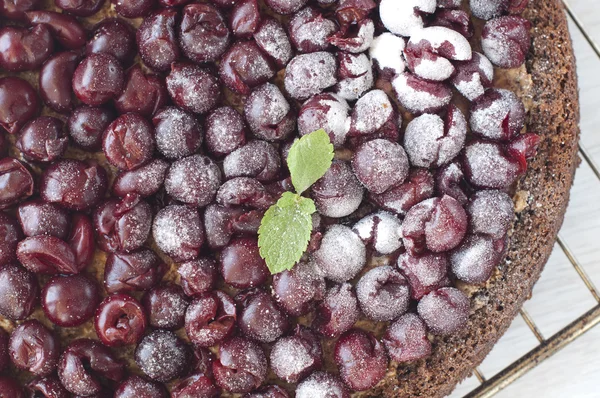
(548, 346)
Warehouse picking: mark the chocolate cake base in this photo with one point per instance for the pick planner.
(542, 198)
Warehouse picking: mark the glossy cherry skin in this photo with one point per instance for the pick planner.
(16, 182)
(80, 8)
(87, 124)
(46, 387)
(197, 276)
(81, 239)
(67, 31)
(84, 364)
(98, 79)
(244, 67)
(11, 388)
(74, 184)
(406, 339)
(43, 139)
(115, 37)
(18, 103)
(260, 318)
(55, 81)
(128, 142)
(245, 18)
(157, 39)
(139, 270)
(70, 301)
(120, 320)
(37, 217)
(138, 387)
(133, 8)
(241, 367)
(19, 292)
(241, 264)
(15, 9)
(210, 318)
(162, 356)
(24, 49)
(10, 235)
(197, 385)
(144, 94)
(47, 255)
(203, 33)
(34, 348)
(165, 306)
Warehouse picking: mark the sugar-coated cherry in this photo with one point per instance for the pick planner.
(497, 115)
(47, 387)
(241, 264)
(203, 33)
(272, 38)
(272, 391)
(86, 125)
(310, 74)
(244, 191)
(244, 67)
(55, 81)
(338, 193)
(450, 180)
(285, 6)
(144, 181)
(222, 223)
(245, 18)
(139, 270)
(310, 31)
(356, 39)
(488, 9)
(178, 232)
(178, 133)
(198, 276)
(225, 131)
(165, 306)
(445, 311)
(193, 180)
(193, 88)
(162, 356)
(113, 36)
(506, 41)
(16, 182)
(326, 111)
(361, 358)
(322, 384)
(19, 292)
(338, 312)
(380, 164)
(157, 39)
(294, 357)
(259, 316)
(80, 8)
(420, 96)
(34, 348)
(70, 301)
(476, 258)
(210, 318)
(18, 103)
(489, 165)
(491, 213)
(425, 272)
(98, 79)
(25, 49)
(133, 8)
(74, 184)
(85, 364)
(43, 139)
(354, 75)
(128, 142)
(381, 231)
(120, 320)
(268, 113)
(37, 217)
(137, 387)
(383, 293)
(342, 254)
(406, 339)
(298, 289)
(241, 367)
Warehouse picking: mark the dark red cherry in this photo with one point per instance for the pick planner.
(322, 383)
(193, 88)
(293, 358)
(244, 18)
(67, 31)
(87, 124)
(383, 293)
(310, 74)
(406, 339)
(47, 255)
(350, 12)
(47, 387)
(143, 181)
(19, 292)
(120, 320)
(241, 264)
(272, 391)
(11, 388)
(257, 159)
(70, 301)
(157, 39)
(450, 180)
(338, 312)
(122, 225)
(380, 165)
(361, 358)
(80, 8)
(25, 49)
(139, 270)
(144, 94)
(244, 191)
(260, 318)
(128, 142)
(193, 180)
(244, 67)
(133, 8)
(475, 260)
(272, 38)
(74, 184)
(338, 193)
(203, 33)
(34, 348)
(178, 232)
(241, 367)
(98, 79)
(165, 306)
(178, 133)
(43, 139)
(85, 364)
(81, 239)
(225, 131)
(55, 81)
(15, 9)
(445, 311)
(162, 356)
(10, 235)
(506, 41)
(309, 30)
(114, 37)
(37, 217)
(425, 272)
(16, 182)
(285, 6)
(198, 276)
(269, 114)
(197, 385)
(298, 290)
(210, 318)
(18, 103)
(138, 387)
(489, 165)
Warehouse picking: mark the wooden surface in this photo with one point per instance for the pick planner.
(560, 296)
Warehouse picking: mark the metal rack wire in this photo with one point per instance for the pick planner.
(549, 346)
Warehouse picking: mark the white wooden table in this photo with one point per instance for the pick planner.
(560, 296)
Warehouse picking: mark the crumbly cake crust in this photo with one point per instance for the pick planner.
(541, 199)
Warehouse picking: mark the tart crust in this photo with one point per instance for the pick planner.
(541, 201)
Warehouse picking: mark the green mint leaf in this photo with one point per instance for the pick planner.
(285, 231)
(309, 159)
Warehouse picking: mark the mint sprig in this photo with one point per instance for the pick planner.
(285, 228)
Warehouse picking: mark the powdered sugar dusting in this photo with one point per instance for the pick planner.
(386, 50)
(491, 212)
(310, 31)
(382, 230)
(257, 159)
(443, 41)
(420, 97)
(488, 166)
(445, 310)
(359, 76)
(193, 180)
(290, 357)
(329, 112)
(474, 259)
(309, 74)
(383, 293)
(322, 385)
(402, 17)
(273, 40)
(433, 67)
(178, 228)
(371, 112)
(342, 254)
